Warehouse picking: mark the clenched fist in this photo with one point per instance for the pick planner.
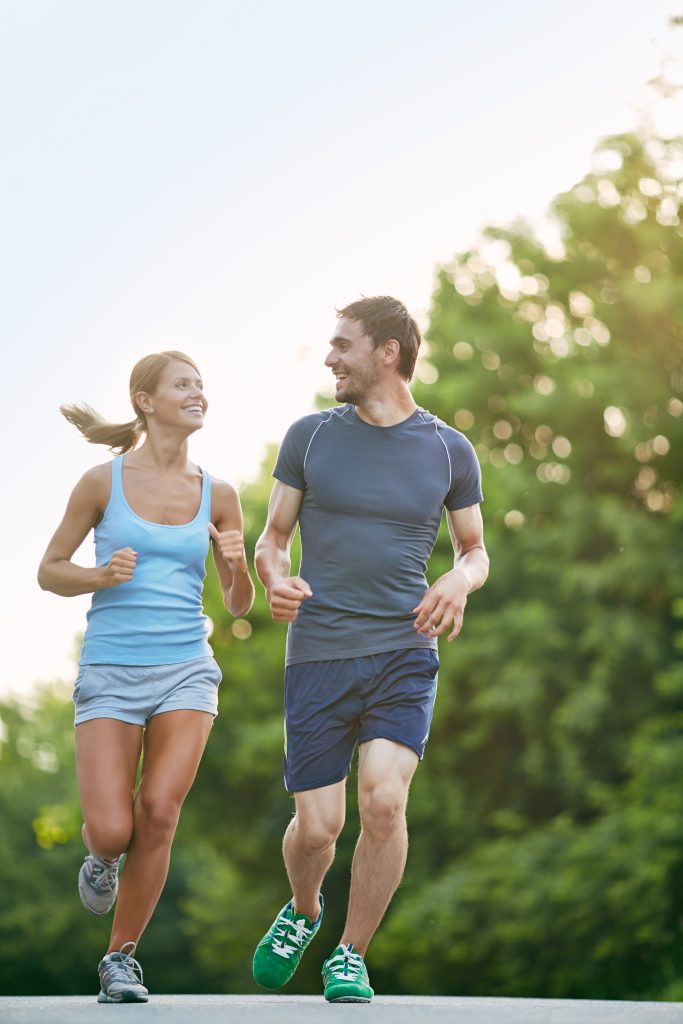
(230, 543)
(120, 568)
(285, 595)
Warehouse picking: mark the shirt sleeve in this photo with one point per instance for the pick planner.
(465, 489)
(289, 467)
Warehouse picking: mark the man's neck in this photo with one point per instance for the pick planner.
(388, 408)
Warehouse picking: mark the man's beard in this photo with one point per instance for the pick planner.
(357, 389)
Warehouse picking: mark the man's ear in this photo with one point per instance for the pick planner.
(392, 351)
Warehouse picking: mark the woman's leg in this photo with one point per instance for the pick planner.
(174, 742)
(107, 756)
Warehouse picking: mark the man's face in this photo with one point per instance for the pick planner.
(354, 361)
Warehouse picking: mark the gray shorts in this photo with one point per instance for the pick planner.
(134, 693)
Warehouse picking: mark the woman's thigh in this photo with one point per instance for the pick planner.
(107, 758)
(173, 745)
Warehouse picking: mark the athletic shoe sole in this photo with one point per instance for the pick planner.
(122, 997)
(350, 999)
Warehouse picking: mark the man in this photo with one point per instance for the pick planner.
(367, 482)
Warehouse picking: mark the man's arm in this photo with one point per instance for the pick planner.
(444, 603)
(284, 592)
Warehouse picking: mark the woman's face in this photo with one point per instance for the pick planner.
(178, 400)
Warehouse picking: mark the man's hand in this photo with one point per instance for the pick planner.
(230, 543)
(120, 568)
(443, 605)
(285, 595)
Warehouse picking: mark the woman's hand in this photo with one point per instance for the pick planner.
(230, 543)
(120, 568)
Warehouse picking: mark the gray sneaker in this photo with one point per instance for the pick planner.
(98, 883)
(121, 978)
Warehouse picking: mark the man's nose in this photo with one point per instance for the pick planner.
(331, 358)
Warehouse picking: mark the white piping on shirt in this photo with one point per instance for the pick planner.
(333, 412)
(448, 454)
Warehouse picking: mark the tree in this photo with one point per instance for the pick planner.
(563, 365)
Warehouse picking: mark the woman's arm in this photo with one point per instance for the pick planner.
(85, 508)
(229, 556)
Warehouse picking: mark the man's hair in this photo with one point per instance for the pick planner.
(383, 318)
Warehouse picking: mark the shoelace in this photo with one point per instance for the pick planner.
(123, 967)
(348, 964)
(290, 931)
(103, 876)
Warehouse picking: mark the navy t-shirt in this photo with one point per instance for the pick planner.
(371, 508)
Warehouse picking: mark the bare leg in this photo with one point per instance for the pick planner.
(309, 843)
(385, 769)
(107, 756)
(173, 746)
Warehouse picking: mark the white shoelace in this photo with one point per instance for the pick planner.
(348, 964)
(290, 931)
(125, 968)
(104, 874)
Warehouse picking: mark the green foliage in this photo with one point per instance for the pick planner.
(546, 820)
(553, 846)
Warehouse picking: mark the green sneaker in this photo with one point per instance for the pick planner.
(345, 977)
(278, 953)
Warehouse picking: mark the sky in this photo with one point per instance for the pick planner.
(218, 177)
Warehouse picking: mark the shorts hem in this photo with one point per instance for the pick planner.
(394, 739)
(183, 707)
(319, 785)
(119, 716)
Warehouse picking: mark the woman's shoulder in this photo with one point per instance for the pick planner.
(96, 478)
(225, 502)
(94, 488)
(222, 489)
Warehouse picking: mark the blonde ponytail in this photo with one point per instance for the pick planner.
(119, 437)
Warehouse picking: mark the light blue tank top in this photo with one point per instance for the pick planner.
(156, 618)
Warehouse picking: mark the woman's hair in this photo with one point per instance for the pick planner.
(121, 437)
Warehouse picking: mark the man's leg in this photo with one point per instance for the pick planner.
(309, 843)
(385, 769)
(308, 850)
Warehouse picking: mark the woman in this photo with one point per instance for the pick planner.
(147, 681)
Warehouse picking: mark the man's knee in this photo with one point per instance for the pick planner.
(382, 808)
(317, 834)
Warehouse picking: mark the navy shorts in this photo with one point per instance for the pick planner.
(331, 705)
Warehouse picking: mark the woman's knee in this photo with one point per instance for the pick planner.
(108, 837)
(156, 813)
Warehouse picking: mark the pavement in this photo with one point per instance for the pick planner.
(305, 1009)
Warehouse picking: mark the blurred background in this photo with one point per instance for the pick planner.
(217, 178)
